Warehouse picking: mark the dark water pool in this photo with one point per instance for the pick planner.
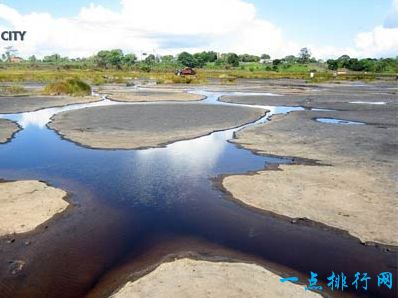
(161, 190)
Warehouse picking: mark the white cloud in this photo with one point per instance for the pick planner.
(151, 25)
(379, 41)
(170, 27)
(182, 17)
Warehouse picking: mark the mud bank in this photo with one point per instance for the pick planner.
(196, 278)
(24, 205)
(7, 130)
(355, 187)
(19, 104)
(142, 126)
(341, 96)
(143, 95)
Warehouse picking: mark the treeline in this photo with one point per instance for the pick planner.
(117, 59)
(367, 64)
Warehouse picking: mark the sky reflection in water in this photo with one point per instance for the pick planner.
(138, 176)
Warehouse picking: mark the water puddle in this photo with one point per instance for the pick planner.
(369, 102)
(321, 110)
(338, 121)
(162, 191)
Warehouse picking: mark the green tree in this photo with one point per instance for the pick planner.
(206, 57)
(186, 59)
(304, 55)
(291, 59)
(249, 58)
(9, 52)
(332, 64)
(343, 61)
(32, 59)
(115, 57)
(54, 58)
(200, 59)
(387, 65)
(151, 59)
(101, 58)
(167, 59)
(111, 58)
(369, 64)
(265, 56)
(211, 56)
(354, 64)
(220, 61)
(129, 59)
(233, 59)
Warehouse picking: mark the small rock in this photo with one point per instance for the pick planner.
(368, 243)
(16, 266)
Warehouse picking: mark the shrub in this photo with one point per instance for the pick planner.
(182, 80)
(72, 87)
(98, 80)
(145, 68)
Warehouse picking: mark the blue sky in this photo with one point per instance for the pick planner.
(318, 23)
(58, 8)
(323, 20)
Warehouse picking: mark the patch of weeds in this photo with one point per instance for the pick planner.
(73, 87)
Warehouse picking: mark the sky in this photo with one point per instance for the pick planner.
(330, 28)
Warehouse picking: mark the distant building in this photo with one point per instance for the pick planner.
(265, 61)
(16, 59)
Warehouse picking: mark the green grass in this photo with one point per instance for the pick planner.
(229, 76)
(73, 87)
(166, 78)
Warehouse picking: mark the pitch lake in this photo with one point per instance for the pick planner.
(124, 200)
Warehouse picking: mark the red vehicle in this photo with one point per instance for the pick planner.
(187, 71)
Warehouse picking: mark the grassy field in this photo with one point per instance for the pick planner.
(102, 76)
